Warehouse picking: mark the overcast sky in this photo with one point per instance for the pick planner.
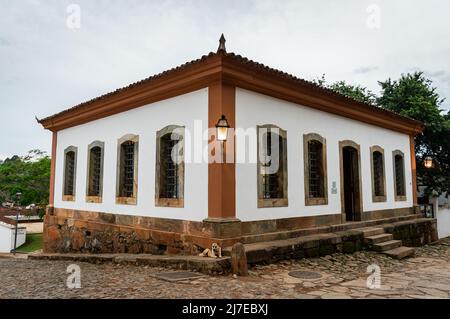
(46, 66)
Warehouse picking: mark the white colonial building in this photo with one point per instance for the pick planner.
(137, 170)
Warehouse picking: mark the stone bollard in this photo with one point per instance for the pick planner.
(239, 260)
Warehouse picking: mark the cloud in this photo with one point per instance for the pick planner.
(365, 69)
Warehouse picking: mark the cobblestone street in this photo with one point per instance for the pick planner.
(427, 275)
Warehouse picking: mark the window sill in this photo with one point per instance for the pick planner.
(94, 199)
(169, 202)
(400, 198)
(310, 201)
(276, 202)
(379, 199)
(126, 201)
(68, 198)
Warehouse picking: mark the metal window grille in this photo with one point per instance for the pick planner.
(96, 162)
(128, 169)
(169, 167)
(271, 182)
(70, 173)
(315, 163)
(378, 173)
(399, 176)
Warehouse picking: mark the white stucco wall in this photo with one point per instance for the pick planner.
(145, 122)
(7, 237)
(254, 109)
(443, 222)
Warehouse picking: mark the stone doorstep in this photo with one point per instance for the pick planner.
(400, 252)
(204, 265)
(387, 245)
(369, 232)
(378, 238)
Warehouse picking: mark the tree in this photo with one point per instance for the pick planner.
(29, 175)
(414, 96)
(356, 92)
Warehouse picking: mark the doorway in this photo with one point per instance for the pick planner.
(350, 183)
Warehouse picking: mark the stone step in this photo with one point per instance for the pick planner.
(297, 248)
(299, 232)
(400, 252)
(387, 245)
(372, 231)
(371, 240)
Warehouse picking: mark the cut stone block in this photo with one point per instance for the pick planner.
(388, 245)
(378, 238)
(372, 231)
(400, 252)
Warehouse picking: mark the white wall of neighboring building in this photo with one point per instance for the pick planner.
(254, 109)
(443, 221)
(7, 237)
(144, 121)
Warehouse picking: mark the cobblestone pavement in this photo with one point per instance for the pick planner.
(427, 275)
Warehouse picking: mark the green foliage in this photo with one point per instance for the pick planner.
(356, 92)
(29, 175)
(413, 96)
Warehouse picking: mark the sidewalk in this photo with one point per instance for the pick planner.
(12, 256)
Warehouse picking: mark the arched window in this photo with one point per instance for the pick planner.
(378, 174)
(272, 167)
(315, 168)
(169, 187)
(95, 172)
(70, 169)
(399, 175)
(127, 170)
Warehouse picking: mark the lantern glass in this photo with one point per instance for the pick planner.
(222, 133)
(428, 162)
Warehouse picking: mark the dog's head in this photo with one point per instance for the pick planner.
(215, 247)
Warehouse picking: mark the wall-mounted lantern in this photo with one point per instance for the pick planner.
(222, 127)
(428, 162)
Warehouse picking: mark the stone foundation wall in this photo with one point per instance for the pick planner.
(73, 231)
(387, 213)
(414, 233)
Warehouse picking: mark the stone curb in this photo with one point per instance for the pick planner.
(210, 266)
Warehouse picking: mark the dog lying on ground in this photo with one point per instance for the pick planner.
(214, 252)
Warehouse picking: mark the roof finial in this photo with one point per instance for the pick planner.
(222, 45)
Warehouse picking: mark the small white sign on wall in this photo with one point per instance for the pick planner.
(333, 188)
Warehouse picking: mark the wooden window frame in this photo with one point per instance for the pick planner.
(313, 201)
(378, 198)
(398, 198)
(133, 199)
(65, 197)
(273, 202)
(99, 198)
(169, 202)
